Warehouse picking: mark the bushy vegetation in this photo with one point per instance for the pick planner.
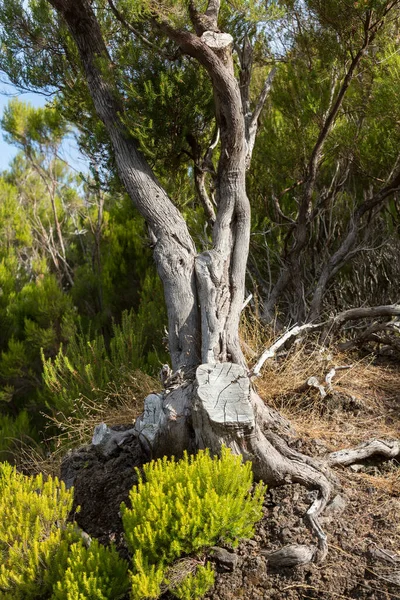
(44, 556)
(88, 364)
(180, 509)
(72, 264)
(75, 254)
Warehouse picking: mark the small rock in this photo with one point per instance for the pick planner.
(384, 555)
(225, 559)
(357, 468)
(286, 535)
(290, 556)
(337, 505)
(107, 440)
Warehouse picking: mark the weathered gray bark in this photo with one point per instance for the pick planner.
(174, 250)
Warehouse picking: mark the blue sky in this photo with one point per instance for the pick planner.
(7, 152)
(70, 151)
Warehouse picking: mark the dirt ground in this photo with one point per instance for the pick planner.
(362, 523)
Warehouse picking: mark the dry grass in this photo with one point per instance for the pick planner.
(364, 402)
(115, 405)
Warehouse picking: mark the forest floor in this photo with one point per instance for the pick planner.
(362, 523)
(363, 531)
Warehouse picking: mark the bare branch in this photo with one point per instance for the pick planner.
(331, 326)
(252, 122)
(136, 32)
(245, 303)
(388, 449)
(213, 9)
(272, 350)
(345, 250)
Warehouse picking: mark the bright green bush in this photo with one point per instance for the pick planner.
(94, 573)
(44, 557)
(32, 532)
(180, 509)
(183, 507)
(196, 585)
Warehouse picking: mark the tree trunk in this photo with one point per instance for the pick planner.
(209, 400)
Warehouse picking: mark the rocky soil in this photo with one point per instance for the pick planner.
(362, 522)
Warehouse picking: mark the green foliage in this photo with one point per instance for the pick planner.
(32, 128)
(88, 365)
(43, 556)
(195, 585)
(13, 431)
(94, 573)
(36, 318)
(32, 532)
(183, 507)
(101, 242)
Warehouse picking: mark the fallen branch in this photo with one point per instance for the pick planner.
(329, 327)
(272, 350)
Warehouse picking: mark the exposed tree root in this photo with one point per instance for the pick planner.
(385, 448)
(224, 413)
(221, 408)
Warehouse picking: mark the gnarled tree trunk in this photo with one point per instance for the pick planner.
(209, 400)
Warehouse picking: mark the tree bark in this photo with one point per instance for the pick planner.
(174, 250)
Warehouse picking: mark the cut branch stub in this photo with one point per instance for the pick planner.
(221, 44)
(224, 393)
(217, 41)
(164, 428)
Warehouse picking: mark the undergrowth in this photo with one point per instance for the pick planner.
(178, 511)
(42, 555)
(182, 507)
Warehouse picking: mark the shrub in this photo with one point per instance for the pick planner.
(183, 507)
(95, 573)
(32, 531)
(88, 364)
(195, 585)
(43, 556)
(13, 432)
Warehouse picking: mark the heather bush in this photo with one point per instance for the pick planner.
(43, 556)
(181, 508)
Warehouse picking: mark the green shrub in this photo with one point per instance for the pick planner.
(195, 585)
(13, 433)
(95, 573)
(32, 532)
(86, 367)
(41, 555)
(183, 507)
